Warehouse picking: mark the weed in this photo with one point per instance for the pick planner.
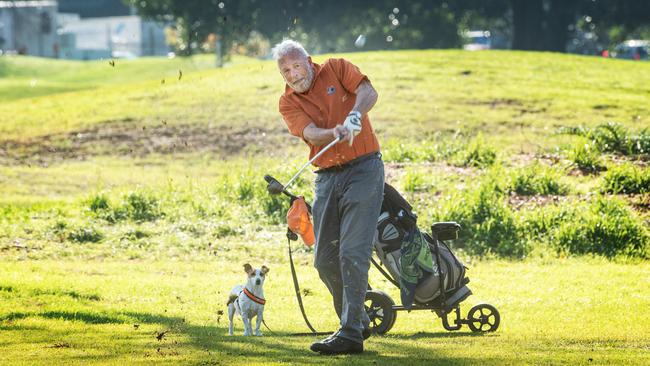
(478, 154)
(488, 224)
(85, 234)
(586, 157)
(613, 137)
(536, 180)
(141, 206)
(413, 181)
(135, 234)
(98, 203)
(626, 178)
(604, 226)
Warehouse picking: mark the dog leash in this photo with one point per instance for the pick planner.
(296, 286)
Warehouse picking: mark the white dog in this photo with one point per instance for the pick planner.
(248, 300)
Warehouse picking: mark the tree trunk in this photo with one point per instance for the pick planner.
(561, 14)
(528, 29)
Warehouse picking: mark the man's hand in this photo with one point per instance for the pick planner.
(340, 132)
(353, 125)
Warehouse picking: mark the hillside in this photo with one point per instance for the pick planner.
(132, 194)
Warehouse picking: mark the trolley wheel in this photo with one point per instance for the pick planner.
(483, 318)
(379, 307)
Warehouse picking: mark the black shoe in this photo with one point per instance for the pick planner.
(331, 336)
(337, 346)
(366, 333)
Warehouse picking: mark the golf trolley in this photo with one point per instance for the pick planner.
(440, 291)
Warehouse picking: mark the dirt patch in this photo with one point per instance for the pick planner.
(520, 202)
(514, 104)
(641, 202)
(499, 102)
(128, 138)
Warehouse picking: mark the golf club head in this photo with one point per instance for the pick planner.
(273, 187)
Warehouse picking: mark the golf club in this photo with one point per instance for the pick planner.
(275, 187)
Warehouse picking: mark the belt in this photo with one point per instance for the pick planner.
(349, 164)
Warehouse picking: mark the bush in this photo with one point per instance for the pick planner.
(626, 178)
(536, 180)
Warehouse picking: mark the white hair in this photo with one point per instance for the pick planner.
(286, 47)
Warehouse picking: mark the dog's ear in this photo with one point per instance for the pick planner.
(248, 268)
(265, 269)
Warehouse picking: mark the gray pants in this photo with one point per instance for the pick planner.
(345, 210)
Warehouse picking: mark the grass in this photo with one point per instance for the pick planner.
(129, 204)
(626, 178)
(93, 312)
(29, 77)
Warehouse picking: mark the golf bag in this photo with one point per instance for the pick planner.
(396, 228)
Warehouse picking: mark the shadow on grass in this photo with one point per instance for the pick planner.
(211, 343)
(424, 335)
(18, 292)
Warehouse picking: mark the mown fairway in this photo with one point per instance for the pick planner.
(131, 195)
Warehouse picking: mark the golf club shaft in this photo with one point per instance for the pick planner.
(336, 140)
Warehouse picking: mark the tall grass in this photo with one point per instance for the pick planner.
(602, 225)
(537, 180)
(586, 157)
(613, 137)
(626, 178)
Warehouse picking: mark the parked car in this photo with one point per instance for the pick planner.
(477, 40)
(633, 49)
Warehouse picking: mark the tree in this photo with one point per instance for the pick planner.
(196, 19)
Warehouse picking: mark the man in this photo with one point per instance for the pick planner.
(321, 103)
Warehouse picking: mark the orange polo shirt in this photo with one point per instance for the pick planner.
(327, 104)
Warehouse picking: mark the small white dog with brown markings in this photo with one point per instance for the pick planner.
(248, 300)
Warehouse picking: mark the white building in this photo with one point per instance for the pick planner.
(36, 28)
(29, 28)
(120, 37)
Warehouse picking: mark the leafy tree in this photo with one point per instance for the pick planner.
(196, 19)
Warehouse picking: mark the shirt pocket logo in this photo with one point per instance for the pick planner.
(330, 90)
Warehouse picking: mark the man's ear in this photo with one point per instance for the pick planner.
(248, 268)
(309, 59)
(265, 269)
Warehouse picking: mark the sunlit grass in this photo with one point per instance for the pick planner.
(95, 312)
(98, 241)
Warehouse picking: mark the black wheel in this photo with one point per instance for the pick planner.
(483, 318)
(379, 307)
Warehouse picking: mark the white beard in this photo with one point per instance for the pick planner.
(305, 84)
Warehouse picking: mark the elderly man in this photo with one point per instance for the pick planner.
(322, 103)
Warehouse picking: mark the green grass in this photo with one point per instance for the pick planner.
(626, 178)
(128, 201)
(109, 312)
(29, 77)
(430, 91)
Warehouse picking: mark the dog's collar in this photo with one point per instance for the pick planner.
(253, 297)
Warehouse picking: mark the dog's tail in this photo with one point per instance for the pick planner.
(231, 299)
